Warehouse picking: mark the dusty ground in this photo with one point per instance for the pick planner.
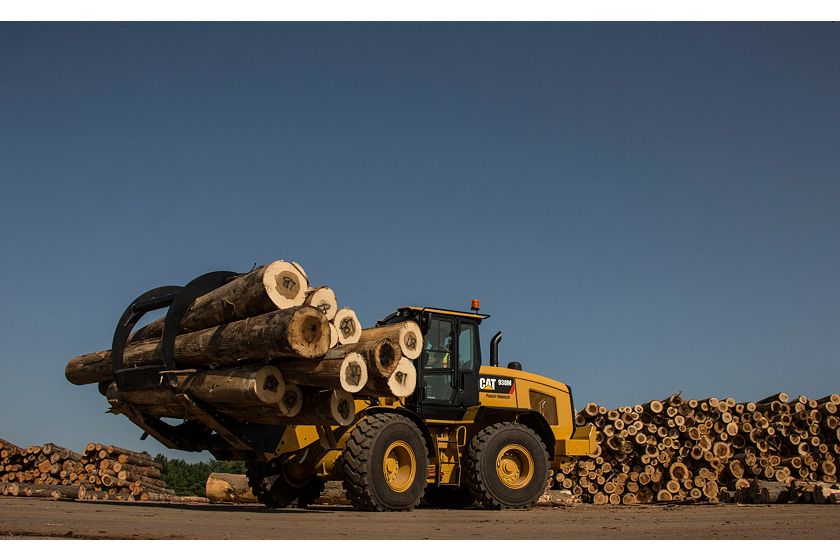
(33, 517)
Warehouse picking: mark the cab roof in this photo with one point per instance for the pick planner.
(445, 312)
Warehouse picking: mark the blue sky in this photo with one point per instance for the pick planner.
(641, 208)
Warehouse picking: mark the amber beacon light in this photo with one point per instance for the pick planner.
(475, 305)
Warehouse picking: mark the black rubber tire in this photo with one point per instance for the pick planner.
(275, 490)
(362, 460)
(483, 480)
(448, 497)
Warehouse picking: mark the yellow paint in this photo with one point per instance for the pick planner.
(581, 443)
(449, 440)
(451, 436)
(515, 466)
(399, 466)
(296, 438)
(326, 466)
(519, 396)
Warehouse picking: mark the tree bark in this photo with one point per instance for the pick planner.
(378, 357)
(278, 285)
(339, 369)
(300, 332)
(326, 408)
(152, 472)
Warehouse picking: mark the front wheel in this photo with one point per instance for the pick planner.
(385, 463)
(507, 466)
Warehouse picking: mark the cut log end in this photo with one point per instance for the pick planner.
(353, 374)
(285, 284)
(292, 401)
(323, 299)
(342, 408)
(411, 340)
(347, 325)
(386, 357)
(269, 385)
(308, 333)
(403, 381)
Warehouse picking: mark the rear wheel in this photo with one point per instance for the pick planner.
(507, 466)
(276, 485)
(384, 464)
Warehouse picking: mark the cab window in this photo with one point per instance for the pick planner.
(466, 347)
(438, 342)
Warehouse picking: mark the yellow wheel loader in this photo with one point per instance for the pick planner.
(470, 433)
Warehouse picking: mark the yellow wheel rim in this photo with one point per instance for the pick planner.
(399, 466)
(515, 466)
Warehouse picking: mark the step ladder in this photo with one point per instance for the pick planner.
(443, 441)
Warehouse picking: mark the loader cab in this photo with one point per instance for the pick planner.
(447, 369)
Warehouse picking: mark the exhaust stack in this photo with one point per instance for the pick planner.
(494, 349)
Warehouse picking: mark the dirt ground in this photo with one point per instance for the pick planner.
(33, 517)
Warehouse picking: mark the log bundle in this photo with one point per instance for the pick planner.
(99, 472)
(775, 450)
(261, 348)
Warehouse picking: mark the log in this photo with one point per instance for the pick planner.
(337, 370)
(408, 336)
(51, 491)
(277, 285)
(347, 325)
(93, 495)
(333, 336)
(228, 488)
(137, 460)
(153, 496)
(833, 398)
(299, 332)
(766, 492)
(401, 383)
(774, 398)
(152, 472)
(292, 401)
(325, 408)
(322, 298)
(245, 386)
(130, 476)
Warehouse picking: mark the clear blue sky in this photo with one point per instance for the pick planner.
(642, 209)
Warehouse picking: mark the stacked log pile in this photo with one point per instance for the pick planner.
(264, 348)
(100, 472)
(773, 450)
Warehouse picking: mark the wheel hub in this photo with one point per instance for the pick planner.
(515, 466)
(399, 466)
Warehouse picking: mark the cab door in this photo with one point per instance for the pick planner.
(448, 367)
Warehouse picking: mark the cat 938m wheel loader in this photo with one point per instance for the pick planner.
(470, 433)
(463, 433)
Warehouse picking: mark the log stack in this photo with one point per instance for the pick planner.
(773, 450)
(264, 348)
(100, 472)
